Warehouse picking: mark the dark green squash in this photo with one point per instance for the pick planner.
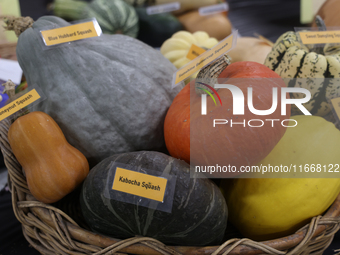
(155, 29)
(108, 94)
(199, 212)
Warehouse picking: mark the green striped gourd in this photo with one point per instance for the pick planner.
(291, 59)
(113, 16)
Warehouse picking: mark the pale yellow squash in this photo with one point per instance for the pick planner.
(177, 47)
(264, 209)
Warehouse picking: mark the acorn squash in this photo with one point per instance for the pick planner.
(113, 16)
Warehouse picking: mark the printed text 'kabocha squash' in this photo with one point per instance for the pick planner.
(108, 94)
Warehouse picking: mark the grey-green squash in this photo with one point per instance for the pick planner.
(198, 216)
(303, 67)
(108, 94)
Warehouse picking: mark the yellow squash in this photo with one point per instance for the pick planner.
(264, 209)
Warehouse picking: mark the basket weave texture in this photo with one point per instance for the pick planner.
(51, 231)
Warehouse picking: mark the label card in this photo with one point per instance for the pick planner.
(162, 8)
(19, 103)
(319, 37)
(205, 59)
(139, 184)
(194, 52)
(10, 70)
(213, 9)
(71, 33)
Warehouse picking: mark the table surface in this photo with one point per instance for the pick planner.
(269, 18)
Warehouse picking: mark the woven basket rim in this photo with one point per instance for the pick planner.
(47, 220)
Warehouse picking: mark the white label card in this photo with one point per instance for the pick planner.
(213, 9)
(163, 8)
(10, 70)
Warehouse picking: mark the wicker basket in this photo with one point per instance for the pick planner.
(51, 231)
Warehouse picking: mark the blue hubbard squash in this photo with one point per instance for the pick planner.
(108, 94)
(199, 212)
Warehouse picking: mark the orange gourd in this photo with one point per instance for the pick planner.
(52, 166)
(203, 145)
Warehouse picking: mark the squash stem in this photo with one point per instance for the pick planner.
(17, 24)
(9, 88)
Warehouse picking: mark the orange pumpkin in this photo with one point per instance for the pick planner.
(52, 166)
(224, 145)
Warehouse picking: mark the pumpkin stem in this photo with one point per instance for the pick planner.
(17, 24)
(9, 88)
(209, 74)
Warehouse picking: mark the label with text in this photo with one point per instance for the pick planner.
(204, 59)
(213, 9)
(194, 52)
(319, 37)
(71, 33)
(163, 8)
(18, 104)
(139, 184)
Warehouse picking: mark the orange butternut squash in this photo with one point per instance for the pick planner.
(52, 166)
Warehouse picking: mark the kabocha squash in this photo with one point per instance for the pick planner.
(191, 136)
(108, 94)
(177, 47)
(52, 166)
(291, 59)
(268, 208)
(198, 215)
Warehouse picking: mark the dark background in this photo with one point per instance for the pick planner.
(270, 18)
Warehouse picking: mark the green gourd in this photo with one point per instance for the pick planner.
(108, 94)
(198, 216)
(113, 16)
